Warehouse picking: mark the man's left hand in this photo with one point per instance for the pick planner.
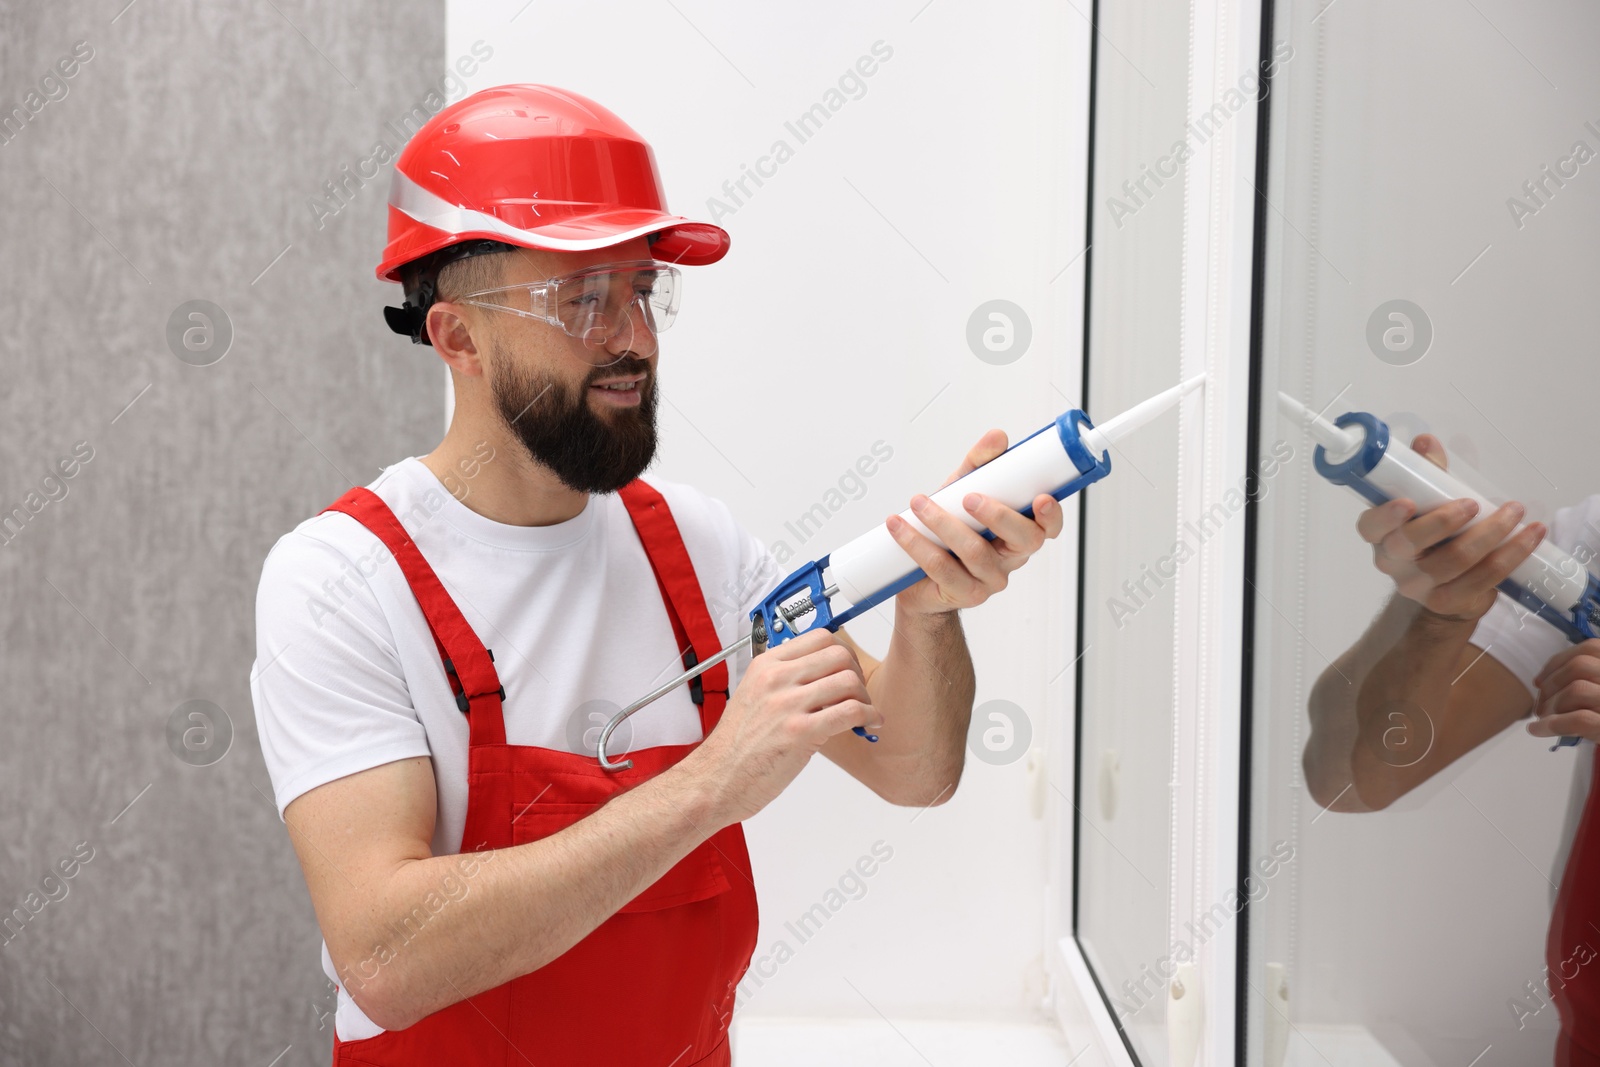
(979, 568)
(1568, 704)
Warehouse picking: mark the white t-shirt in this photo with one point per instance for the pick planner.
(347, 676)
(1524, 643)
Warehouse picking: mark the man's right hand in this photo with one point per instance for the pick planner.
(792, 699)
(1450, 573)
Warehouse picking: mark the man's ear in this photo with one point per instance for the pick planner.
(452, 338)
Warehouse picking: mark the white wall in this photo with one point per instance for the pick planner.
(839, 320)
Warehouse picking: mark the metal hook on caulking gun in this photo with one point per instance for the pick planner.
(1356, 450)
(874, 567)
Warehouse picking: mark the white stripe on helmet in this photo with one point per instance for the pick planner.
(433, 211)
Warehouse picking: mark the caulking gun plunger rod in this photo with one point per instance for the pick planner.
(1060, 459)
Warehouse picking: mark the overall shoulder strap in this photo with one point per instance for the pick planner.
(480, 693)
(680, 589)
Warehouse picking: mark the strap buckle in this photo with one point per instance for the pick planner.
(463, 702)
(697, 692)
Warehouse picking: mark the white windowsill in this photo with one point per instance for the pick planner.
(1314, 1045)
(802, 1042)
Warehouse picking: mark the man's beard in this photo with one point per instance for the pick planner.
(588, 453)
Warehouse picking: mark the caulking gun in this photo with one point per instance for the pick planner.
(1060, 458)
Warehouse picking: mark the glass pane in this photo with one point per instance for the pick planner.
(1126, 740)
(1431, 261)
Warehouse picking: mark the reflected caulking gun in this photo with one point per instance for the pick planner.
(1356, 450)
(1059, 458)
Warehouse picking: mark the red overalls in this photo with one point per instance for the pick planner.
(1572, 951)
(652, 985)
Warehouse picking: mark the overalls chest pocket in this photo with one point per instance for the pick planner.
(698, 876)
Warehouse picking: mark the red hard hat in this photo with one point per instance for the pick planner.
(538, 167)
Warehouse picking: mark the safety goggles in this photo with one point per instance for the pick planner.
(596, 304)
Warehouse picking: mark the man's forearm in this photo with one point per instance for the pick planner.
(924, 686)
(523, 906)
(1406, 661)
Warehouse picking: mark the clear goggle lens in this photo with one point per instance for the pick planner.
(597, 304)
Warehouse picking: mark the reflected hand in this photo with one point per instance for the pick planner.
(1568, 704)
(980, 567)
(1451, 574)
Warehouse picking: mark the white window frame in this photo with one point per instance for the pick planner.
(1217, 291)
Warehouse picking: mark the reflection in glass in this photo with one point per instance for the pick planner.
(1424, 267)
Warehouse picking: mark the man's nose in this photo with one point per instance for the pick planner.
(634, 335)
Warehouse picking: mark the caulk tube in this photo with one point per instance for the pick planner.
(1382, 468)
(1054, 459)
(1059, 458)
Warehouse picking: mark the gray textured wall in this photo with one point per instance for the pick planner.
(177, 164)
